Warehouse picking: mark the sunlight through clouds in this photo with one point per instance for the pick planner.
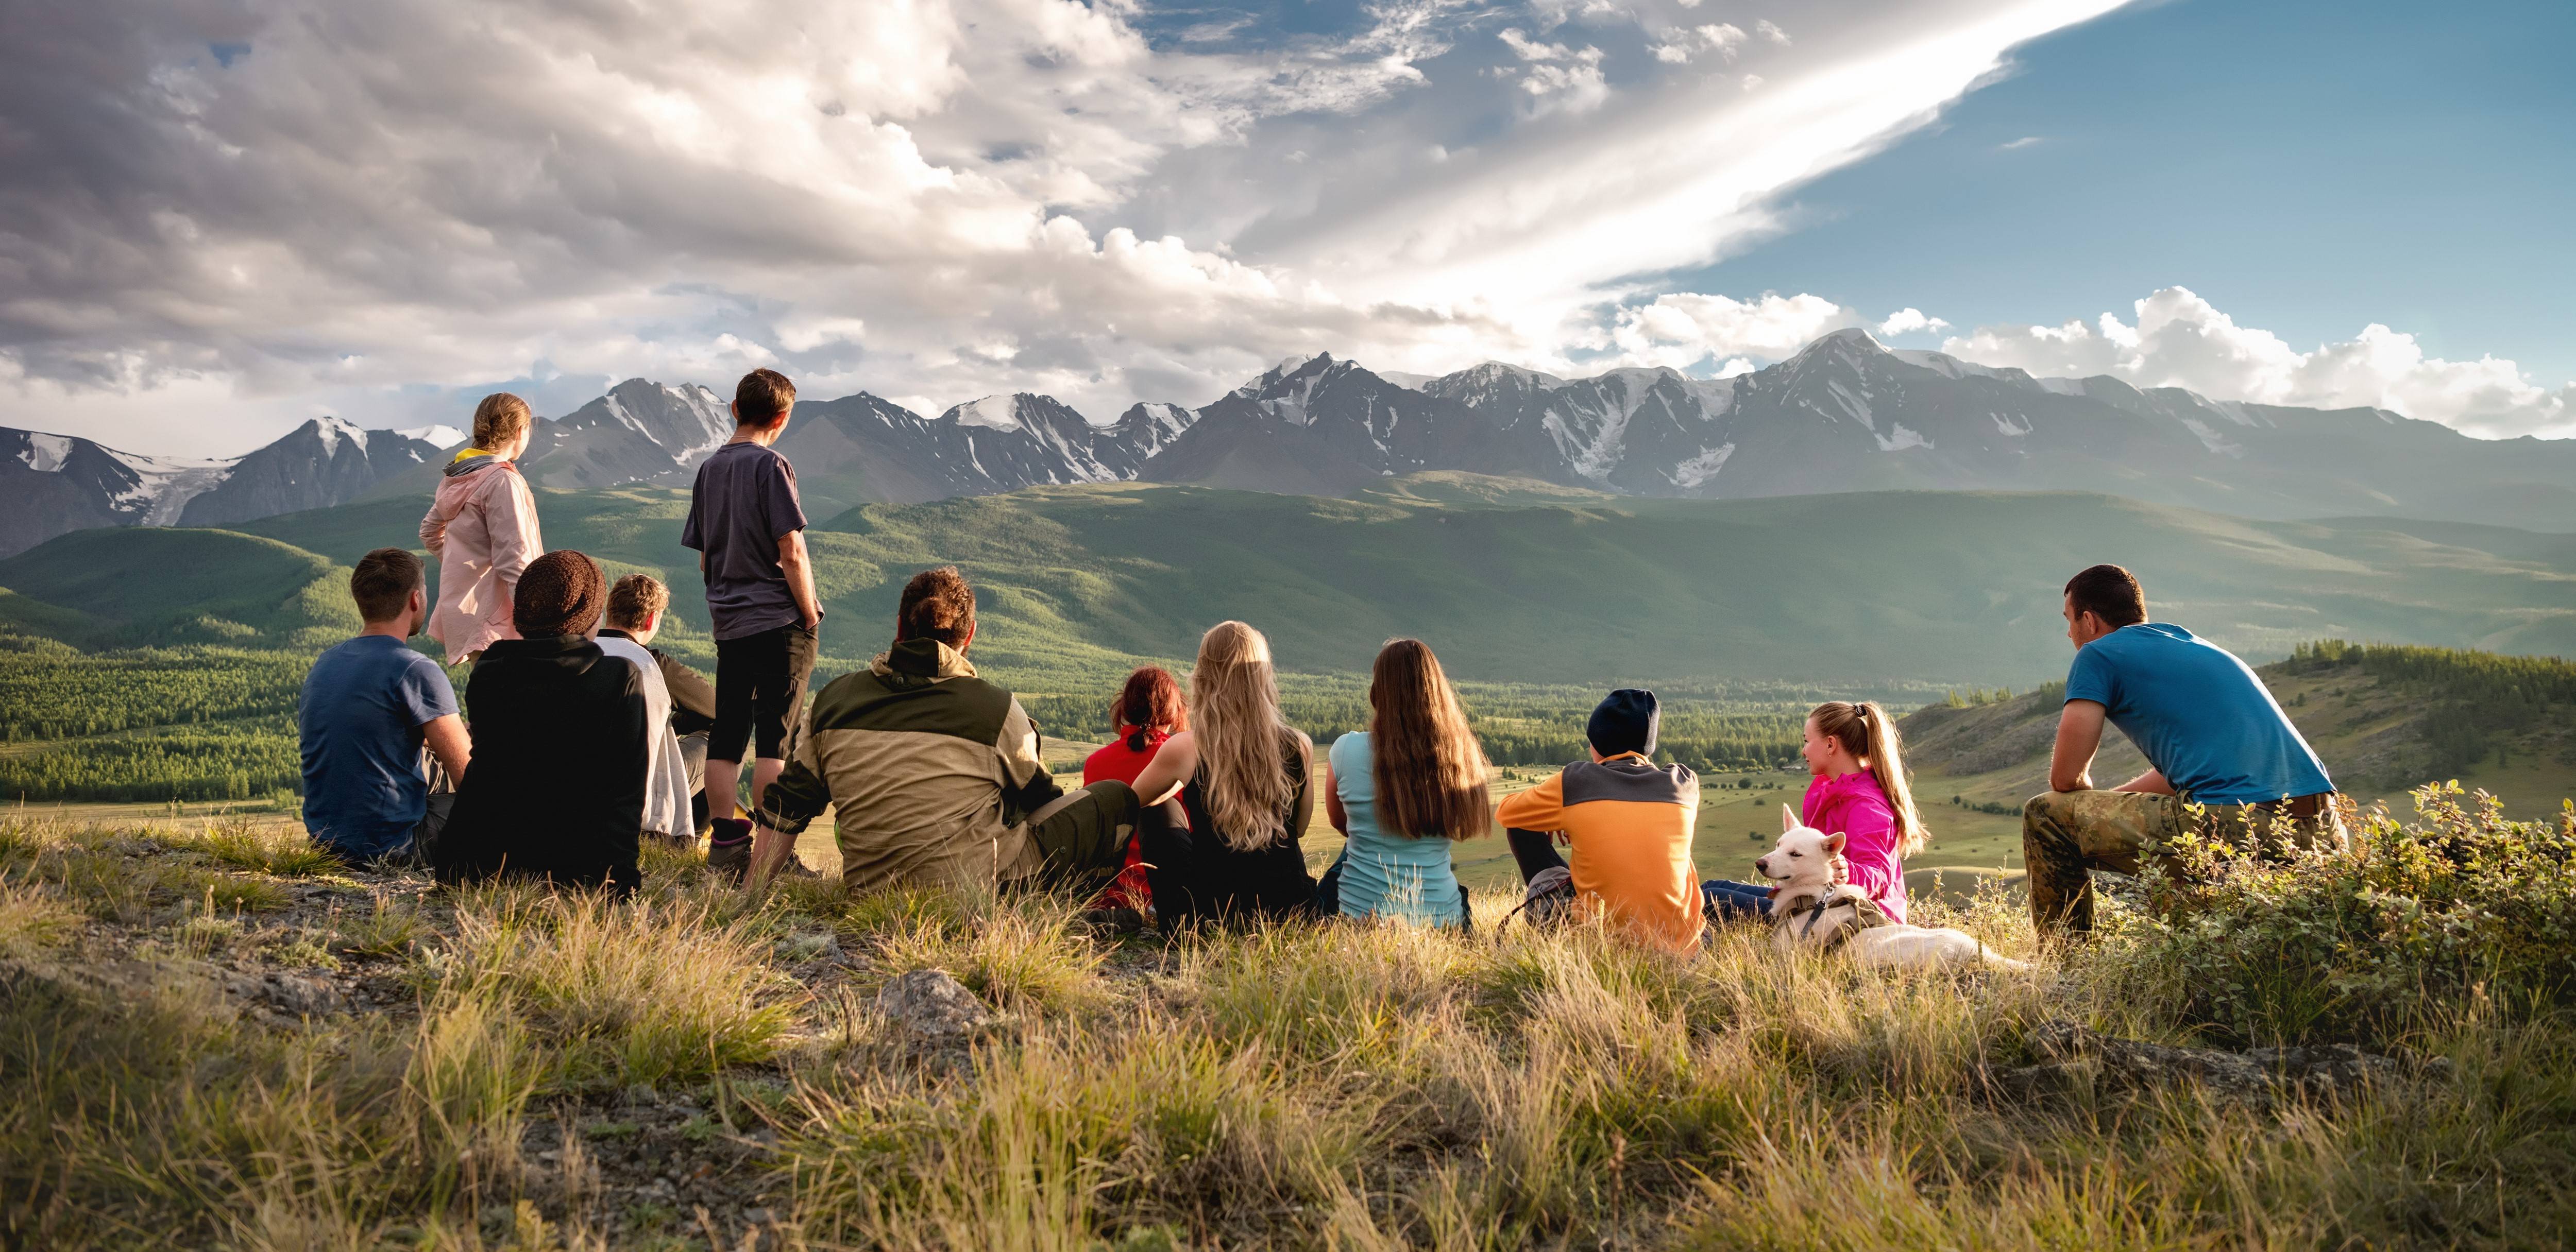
(304, 207)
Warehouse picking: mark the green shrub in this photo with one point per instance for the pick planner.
(2419, 921)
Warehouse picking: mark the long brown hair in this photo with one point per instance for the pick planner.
(1865, 731)
(1150, 701)
(1234, 712)
(1429, 770)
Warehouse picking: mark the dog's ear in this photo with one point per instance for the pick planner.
(1834, 844)
(1788, 819)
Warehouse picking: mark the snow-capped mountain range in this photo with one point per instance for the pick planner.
(50, 484)
(1844, 414)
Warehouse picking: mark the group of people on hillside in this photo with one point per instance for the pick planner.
(578, 740)
(591, 739)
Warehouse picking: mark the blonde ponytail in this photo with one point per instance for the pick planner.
(1869, 734)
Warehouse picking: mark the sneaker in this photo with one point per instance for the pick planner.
(729, 850)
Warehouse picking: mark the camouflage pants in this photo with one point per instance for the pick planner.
(2067, 834)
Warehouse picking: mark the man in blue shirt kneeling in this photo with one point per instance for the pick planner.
(2214, 737)
(369, 705)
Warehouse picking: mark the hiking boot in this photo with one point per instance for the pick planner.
(729, 850)
(795, 867)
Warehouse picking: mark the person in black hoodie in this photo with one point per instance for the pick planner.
(556, 789)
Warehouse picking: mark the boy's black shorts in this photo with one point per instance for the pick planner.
(760, 684)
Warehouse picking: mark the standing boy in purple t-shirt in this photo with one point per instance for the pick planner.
(749, 530)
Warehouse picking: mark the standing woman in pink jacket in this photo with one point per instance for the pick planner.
(482, 528)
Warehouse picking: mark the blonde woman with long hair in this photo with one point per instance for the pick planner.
(1241, 774)
(1859, 792)
(1401, 791)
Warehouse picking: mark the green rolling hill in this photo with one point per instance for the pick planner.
(1516, 583)
(151, 585)
(1741, 611)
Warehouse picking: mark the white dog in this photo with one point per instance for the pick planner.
(1817, 910)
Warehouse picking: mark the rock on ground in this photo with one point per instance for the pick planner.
(933, 1007)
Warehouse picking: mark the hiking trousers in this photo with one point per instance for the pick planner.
(1080, 839)
(2065, 835)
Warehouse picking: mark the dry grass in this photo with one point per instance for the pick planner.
(1293, 1087)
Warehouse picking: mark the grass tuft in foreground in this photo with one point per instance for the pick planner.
(537, 1071)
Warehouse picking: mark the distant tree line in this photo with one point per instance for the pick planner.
(1544, 727)
(58, 696)
(238, 760)
(2472, 699)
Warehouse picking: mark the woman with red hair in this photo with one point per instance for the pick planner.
(1148, 710)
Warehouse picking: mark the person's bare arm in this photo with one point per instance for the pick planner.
(2079, 736)
(800, 577)
(2152, 782)
(449, 743)
(1333, 811)
(1306, 794)
(1172, 766)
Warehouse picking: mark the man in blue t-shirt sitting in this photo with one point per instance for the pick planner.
(369, 705)
(2212, 734)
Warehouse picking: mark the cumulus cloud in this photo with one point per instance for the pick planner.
(2179, 339)
(1682, 330)
(1558, 77)
(1907, 321)
(369, 207)
(1679, 46)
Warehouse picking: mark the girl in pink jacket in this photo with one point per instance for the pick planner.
(482, 528)
(1859, 792)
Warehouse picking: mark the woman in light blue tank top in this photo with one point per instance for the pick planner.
(1386, 870)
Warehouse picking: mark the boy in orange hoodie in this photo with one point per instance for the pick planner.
(1627, 823)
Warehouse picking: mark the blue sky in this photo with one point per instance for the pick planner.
(222, 221)
(2309, 167)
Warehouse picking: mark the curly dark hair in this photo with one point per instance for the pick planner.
(937, 604)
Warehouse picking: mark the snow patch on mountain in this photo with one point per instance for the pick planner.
(1900, 438)
(993, 412)
(1855, 405)
(2211, 439)
(45, 454)
(332, 430)
(168, 484)
(1944, 364)
(440, 436)
(1699, 469)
